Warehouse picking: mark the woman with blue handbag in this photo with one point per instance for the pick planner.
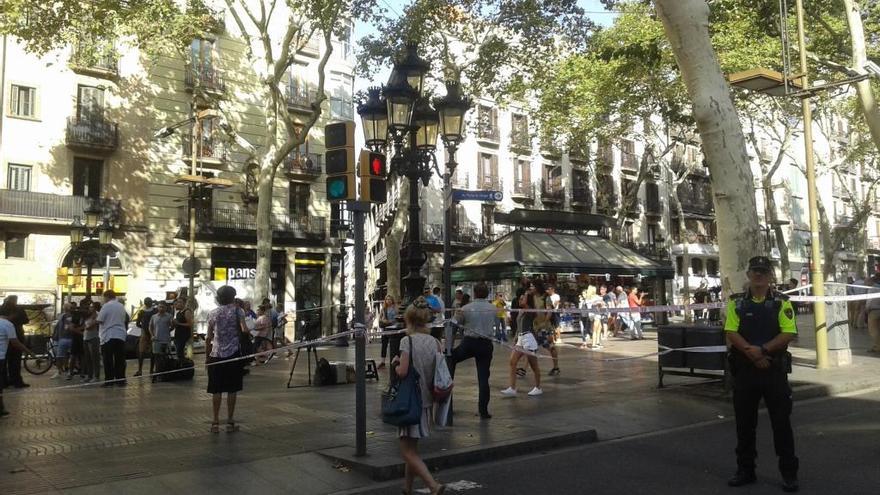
(418, 354)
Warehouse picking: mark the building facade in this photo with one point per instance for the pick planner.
(82, 130)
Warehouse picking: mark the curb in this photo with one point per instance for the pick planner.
(386, 467)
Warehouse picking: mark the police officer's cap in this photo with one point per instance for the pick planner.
(760, 264)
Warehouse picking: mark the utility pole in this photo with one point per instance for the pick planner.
(359, 209)
(817, 277)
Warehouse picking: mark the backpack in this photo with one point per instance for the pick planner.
(324, 373)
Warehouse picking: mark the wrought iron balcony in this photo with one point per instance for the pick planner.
(464, 234)
(653, 206)
(552, 191)
(308, 165)
(521, 140)
(460, 181)
(629, 161)
(207, 78)
(489, 183)
(489, 132)
(211, 150)
(580, 195)
(523, 190)
(54, 207)
(693, 238)
(94, 134)
(654, 251)
(98, 59)
(301, 96)
(240, 226)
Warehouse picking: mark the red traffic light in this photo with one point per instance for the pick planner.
(373, 164)
(376, 165)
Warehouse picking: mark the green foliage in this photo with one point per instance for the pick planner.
(489, 46)
(627, 71)
(156, 26)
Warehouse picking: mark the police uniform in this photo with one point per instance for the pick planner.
(758, 321)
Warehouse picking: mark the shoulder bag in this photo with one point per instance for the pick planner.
(402, 402)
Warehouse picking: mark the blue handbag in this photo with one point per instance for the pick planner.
(402, 402)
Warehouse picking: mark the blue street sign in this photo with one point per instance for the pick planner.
(462, 195)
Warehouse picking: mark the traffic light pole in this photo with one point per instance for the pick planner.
(359, 209)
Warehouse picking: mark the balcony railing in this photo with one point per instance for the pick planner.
(693, 238)
(653, 206)
(211, 149)
(232, 224)
(207, 78)
(312, 46)
(92, 134)
(460, 181)
(523, 190)
(652, 251)
(489, 182)
(95, 58)
(521, 140)
(301, 96)
(54, 206)
(489, 133)
(629, 161)
(305, 164)
(552, 190)
(468, 234)
(581, 195)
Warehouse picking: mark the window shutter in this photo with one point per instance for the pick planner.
(13, 102)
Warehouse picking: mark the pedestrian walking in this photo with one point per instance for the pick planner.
(62, 336)
(8, 340)
(183, 325)
(759, 326)
(78, 316)
(222, 353)
(262, 330)
(526, 344)
(145, 341)
(634, 300)
(500, 316)
(19, 318)
(478, 320)
(112, 320)
(159, 330)
(387, 319)
(547, 326)
(92, 344)
(419, 350)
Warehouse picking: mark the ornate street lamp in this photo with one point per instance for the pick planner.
(77, 230)
(452, 109)
(400, 97)
(90, 242)
(374, 116)
(426, 122)
(413, 68)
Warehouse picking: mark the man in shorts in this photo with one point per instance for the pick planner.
(159, 330)
(63, 338)
(549, 333)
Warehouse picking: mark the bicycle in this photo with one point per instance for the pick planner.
(38, 364)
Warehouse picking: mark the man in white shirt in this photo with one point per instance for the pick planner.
(8, 340)
(113, 320)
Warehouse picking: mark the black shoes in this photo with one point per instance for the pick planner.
(790, 484)
(485, 416)
(742, 478)
(554, 372)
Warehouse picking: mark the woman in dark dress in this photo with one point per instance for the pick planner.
(222, 350)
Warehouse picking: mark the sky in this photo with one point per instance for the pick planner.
(594, 9)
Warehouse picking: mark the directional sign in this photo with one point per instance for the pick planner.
(462, 195)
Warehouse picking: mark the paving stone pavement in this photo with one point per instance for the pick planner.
(148, 436)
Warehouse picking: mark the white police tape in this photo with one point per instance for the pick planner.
(270, 352)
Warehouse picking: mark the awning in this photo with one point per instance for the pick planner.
(523, 252)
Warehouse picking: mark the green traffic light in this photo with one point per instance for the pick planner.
(337, 188)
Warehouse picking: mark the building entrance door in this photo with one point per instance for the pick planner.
(308, 286)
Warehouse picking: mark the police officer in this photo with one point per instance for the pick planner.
(760, 323)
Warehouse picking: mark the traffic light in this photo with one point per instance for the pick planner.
(373, 172)
(339, 161)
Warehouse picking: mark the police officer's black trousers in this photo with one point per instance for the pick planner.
(481, 350)
(750, 385)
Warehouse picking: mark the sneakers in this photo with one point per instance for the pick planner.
(554, 372)
(536, 392)
(56, 375)
(509, 392)
(137, 373)
(790, 484)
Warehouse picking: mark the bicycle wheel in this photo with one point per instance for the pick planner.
(37, 365)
